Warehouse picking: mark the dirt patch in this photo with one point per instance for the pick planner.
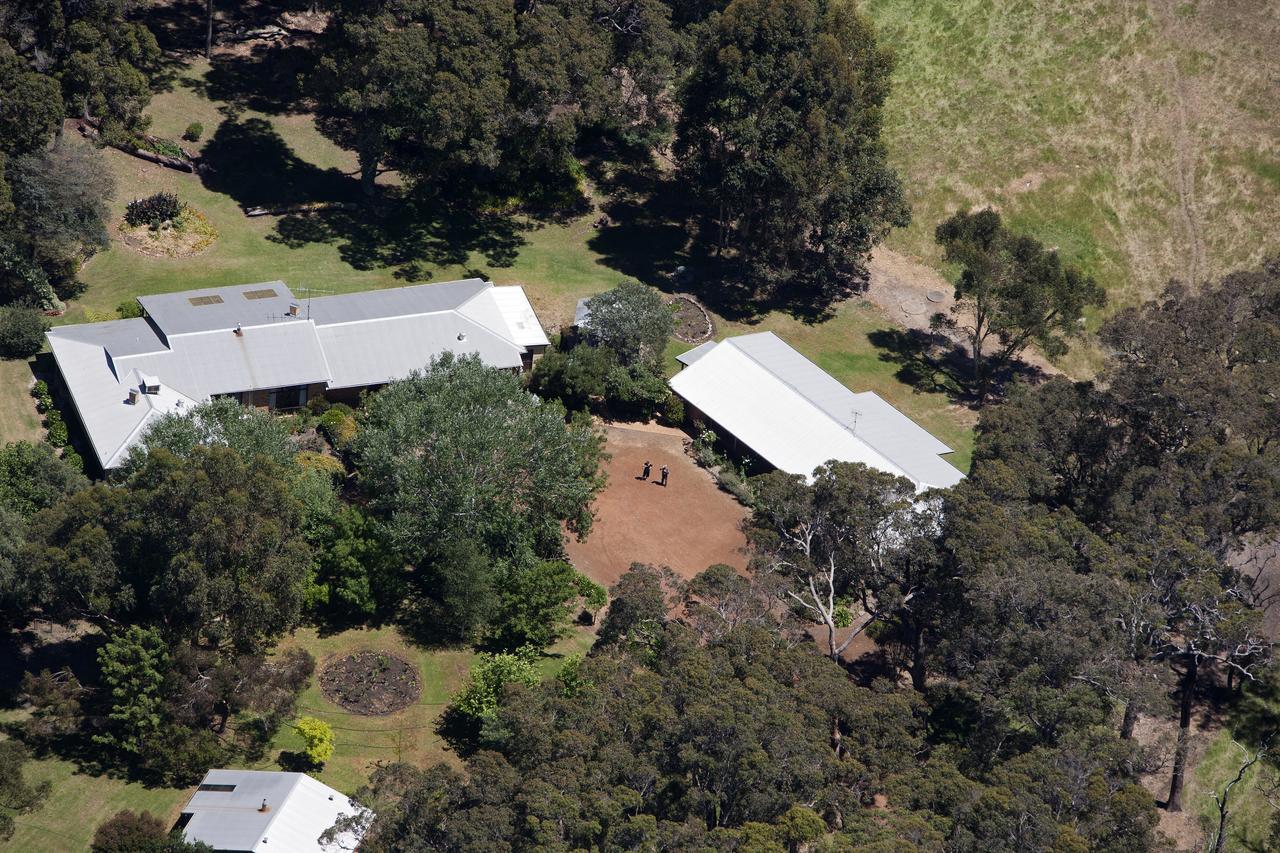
(693, 322)
(372, 683)
(689, 525)
(187, 236)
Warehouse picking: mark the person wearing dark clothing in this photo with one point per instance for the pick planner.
(647, 468)
(664, 473)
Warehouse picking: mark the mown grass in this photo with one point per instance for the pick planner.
(79, 802)
(1065, 116)
(19, 420)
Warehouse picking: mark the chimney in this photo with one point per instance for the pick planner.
(293, 309)
(133, 396)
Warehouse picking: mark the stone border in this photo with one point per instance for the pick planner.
(706, 316)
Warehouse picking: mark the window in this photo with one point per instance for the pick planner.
(265, 293)
(205, 300)
(221, 789)
(287, 398)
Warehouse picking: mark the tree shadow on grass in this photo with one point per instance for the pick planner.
(268, 79)
(928, 362)
(408, 236)
(33, 650)
(249, 161)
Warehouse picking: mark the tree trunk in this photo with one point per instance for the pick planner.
(368, 174)
(1184, 736)
(1130, 719)
(208, 33)
(919, 672)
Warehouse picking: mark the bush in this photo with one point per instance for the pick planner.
(327, 465)
(635, 392)
(318, 405)
(194, 131)
(318, 736)
(127, 831)
(672, 410)
(57, 428)
(44, 400)
(75, 460)
(165, 148)
(339, 426)
(129, 309)
(154, 210)
(572, 377)
(22, 331)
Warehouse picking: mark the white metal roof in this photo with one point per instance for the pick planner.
(299, 810)
(217, 341)
(796, 416)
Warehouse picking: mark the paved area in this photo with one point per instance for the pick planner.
(689, 525)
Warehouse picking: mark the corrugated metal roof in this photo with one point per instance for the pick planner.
(300, 809)
(688, 357)
(393, 302)
(177, 314)
(797, 416)
(516, 314)
(117, 337)
(381, 350)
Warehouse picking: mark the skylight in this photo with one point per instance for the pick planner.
(205, 300)
(265, 293)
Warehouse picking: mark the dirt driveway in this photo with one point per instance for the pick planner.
(689, 525)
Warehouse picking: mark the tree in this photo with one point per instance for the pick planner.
(208, 548)
(575, 377)
(1012, 291)
(415, 85)
(317, 737)
(463, 447)
(224, 422)
(358, 575)
(33, 478)
(779, 139)
(128, 831)
(840, 541)
(22, 331)
(17, 795)
(135, 664)
(478, 698)
(61, 195)
(539, 602)
(632, 321)
(30, 105)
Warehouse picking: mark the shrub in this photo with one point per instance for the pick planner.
(57, 428)
(22, 331)
(318, 737)
(635, 392)
(128, 831)
(129, 309)
(478, 699)
(194, 131)
(672, 410)
(327, 465)
(75, 460)
(166, 148)
(44, 400)
(318, 405)
(154, 210)
(338, 426)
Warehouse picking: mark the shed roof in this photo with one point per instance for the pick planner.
(797, 417)
(299, 810)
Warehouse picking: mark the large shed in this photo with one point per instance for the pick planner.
(796, 416)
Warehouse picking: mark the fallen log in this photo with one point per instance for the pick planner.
(305, 207)
(88, 131)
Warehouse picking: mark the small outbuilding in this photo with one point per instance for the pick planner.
(258, 811)
(795, 416)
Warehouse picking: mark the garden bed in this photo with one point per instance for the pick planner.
(693, 323)
(189, 234)
(371, 683)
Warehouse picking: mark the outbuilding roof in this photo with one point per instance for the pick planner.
(797, 416)
(227, 812)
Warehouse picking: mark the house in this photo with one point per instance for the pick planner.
(795, 416)
(258, 811)
(259, 344)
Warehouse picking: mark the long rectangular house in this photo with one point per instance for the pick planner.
(261, 345)
(796, 416)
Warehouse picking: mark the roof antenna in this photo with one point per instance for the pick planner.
(854, 428)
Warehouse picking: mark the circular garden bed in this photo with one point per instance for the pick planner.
(693, 323)
(371, 683)
(187, 234)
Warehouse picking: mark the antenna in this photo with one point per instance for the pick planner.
(854, 427)
(311, 290)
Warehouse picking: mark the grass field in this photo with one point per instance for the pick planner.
(79, 802)
(1139, 137)
(1249, 823)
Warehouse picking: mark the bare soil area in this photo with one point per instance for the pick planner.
(688, 525)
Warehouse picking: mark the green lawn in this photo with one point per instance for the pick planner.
(19, 420)
(78, 802)
(1249, 824)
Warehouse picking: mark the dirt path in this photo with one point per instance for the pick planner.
(689, 525)
(909, 293)
(1184, 143)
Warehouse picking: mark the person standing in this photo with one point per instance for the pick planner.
(664, 473)
(647, 468)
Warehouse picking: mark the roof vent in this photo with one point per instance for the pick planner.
(264, 808)
(133, 396)
(149, 384)
(239, 332)
(462, 336)
(293, 309)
